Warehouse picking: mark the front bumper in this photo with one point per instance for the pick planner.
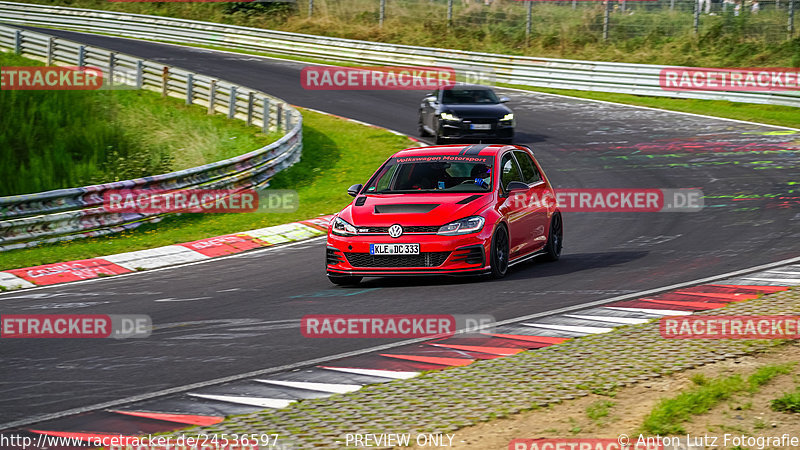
(439, 255)
(463, 130)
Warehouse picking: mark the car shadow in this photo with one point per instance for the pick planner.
(535, 268)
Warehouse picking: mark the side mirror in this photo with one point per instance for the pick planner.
(355, 189)
(430, 99)
(516, 186)
(504, 99)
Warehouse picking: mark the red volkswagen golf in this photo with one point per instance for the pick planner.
(446, 210)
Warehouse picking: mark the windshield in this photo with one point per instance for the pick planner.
(445, 173)
(469, 96)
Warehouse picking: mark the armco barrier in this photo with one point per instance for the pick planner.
(641, 79)
(65, 214)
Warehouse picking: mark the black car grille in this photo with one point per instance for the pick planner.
(333, 257)
(469, 255)
(480, 120)
(385, 230)
(425, 259)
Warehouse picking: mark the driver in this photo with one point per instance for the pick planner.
(481, 174)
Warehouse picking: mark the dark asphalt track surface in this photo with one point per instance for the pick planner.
(239, 314)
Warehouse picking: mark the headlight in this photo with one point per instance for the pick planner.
(464, 226)
(509, 116)
(342, 228)
(449, 117)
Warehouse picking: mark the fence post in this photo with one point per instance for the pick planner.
(791, 19)
(449, 13)
(112, 61)
(310, 8)
(18, 42)
(81, 55)
(250, 101)
(382, 13)
(574, 4)
(278, 117)
(265, 123)
(212, 96)
(288, 120)
(672, 5)
(696, 24)
(622, 5)
(232, 103)
(606, 19)
(189, 89)
(164, 81)
(50, 50)
(139, 74)
(528, 19)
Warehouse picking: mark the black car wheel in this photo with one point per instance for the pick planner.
(555, 239)
(345, 280)
(500, 252)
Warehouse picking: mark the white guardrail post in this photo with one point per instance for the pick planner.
(65, 214)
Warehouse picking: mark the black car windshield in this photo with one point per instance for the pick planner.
(440, 173)
(468, 96)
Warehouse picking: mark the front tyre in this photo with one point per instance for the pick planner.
(499, 254)
(555, 239)
(345, 280)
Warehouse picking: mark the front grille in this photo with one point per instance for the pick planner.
(481, 120)
(425, 259)
(385, 230)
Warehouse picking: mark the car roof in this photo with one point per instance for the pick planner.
(467, 87)
(474, 149)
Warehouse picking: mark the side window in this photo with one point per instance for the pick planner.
(530, 174)
(509, 170)
(386, 178)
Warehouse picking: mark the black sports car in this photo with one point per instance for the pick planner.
(466, 112)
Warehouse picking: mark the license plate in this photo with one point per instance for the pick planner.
(394, 249)
(481, 126)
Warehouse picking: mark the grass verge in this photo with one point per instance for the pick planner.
(62, 139)
(336, 153)
(668, 416)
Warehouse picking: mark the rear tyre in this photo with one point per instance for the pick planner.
(499, 252)
(344, 281)
(555, 239)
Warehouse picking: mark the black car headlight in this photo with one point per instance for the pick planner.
(340, 227)
(466, 225)
(508, 119)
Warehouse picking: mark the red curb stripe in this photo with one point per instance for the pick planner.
(177, 418)
(704, 305)
(524, 337)
(228, 244)
(82, 269)
(754, 287)
(730, 297)
(442, 361)
(500, 351)
(122, 439)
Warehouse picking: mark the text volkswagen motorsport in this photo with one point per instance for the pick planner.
(457, 209)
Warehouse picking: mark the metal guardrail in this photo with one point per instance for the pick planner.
(66, 214)
(640, 79)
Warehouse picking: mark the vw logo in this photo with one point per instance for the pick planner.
(395, 231)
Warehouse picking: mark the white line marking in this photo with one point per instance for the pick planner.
(181, 299)
(252, 401)
(569, 328)
(660, 312)
(774, 280)
(612, 319)
(322, 387)
(397, 375)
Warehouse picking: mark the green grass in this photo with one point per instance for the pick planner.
(62, 139)
(599, 409)
(668, 416)
(336, 154)
(787, 116)
(643, 34)
(789, 402)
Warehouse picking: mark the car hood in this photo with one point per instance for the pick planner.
(477, 110)
(414, 209)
